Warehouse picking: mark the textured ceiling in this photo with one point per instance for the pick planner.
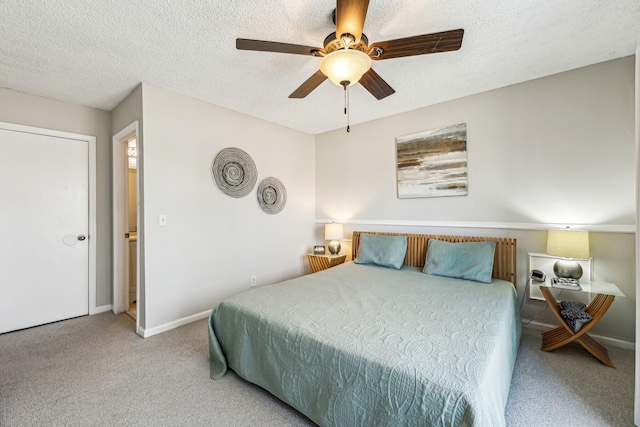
(94, 52)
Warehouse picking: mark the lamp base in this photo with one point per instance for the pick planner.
(334, 247)
(567, 268)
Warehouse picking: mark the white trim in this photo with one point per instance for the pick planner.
(145, 333)
(46, 132)
(92, 240)
(603, 228)
(93, 228)
(604, 340)
(636, 400)
(103, 309)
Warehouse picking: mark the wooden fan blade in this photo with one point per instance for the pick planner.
(350, 15)
(265, 46)
(445, 41)
(307, 87)
(376, 84)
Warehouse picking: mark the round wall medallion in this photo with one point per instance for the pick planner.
(234, 172)
(272, 196)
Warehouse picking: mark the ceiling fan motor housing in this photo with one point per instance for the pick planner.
(332, 43)
(353, 50)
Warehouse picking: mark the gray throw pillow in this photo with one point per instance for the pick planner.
(575, 318)
(566, 305)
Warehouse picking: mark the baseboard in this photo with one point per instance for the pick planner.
(146, 333)
(101, 309)
(606, 341)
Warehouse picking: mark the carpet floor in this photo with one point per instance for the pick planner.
(95, 371)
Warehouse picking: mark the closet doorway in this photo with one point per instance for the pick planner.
(48, 211)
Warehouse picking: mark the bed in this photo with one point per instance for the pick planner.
(366, 344)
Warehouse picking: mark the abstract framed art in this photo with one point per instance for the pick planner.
(432, 163)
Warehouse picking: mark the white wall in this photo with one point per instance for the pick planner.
(214, 243)
(557, 150)
(20, 108)
(552, 150)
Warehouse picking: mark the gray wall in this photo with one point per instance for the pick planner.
(212, 243)
(541, 154)
(28, 110)
(520, 139)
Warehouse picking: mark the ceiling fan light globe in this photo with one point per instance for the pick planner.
(345, 65)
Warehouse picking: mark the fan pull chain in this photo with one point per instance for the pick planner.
(346, 101)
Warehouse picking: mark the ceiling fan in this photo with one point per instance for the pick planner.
(346, 55)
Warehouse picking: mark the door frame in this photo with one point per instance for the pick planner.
(93, 236)
(120, 220)
(636, 400)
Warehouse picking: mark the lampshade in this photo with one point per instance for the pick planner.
(568, 244)
(345, 65)
(333, 232)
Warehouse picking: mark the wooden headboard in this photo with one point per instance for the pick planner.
(504, 262)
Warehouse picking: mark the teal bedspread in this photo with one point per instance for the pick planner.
(359, 345)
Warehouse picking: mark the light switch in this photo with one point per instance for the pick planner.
(162, 220)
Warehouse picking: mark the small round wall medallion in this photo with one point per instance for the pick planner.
(234, 172)
(272, 196)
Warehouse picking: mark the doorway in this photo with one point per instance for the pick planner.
(126, 208)
(132, 227)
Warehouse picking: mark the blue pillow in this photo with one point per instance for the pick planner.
(464, 260)
(385, 251)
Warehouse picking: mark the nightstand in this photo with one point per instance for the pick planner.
(562, 335)
(322, 262)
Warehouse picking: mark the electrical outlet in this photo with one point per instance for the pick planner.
(253, 281)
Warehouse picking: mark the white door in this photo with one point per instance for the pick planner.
(44, 225)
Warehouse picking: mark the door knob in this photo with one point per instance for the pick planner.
(81, 237)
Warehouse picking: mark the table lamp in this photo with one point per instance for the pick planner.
(333, 232)
(568, 245)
